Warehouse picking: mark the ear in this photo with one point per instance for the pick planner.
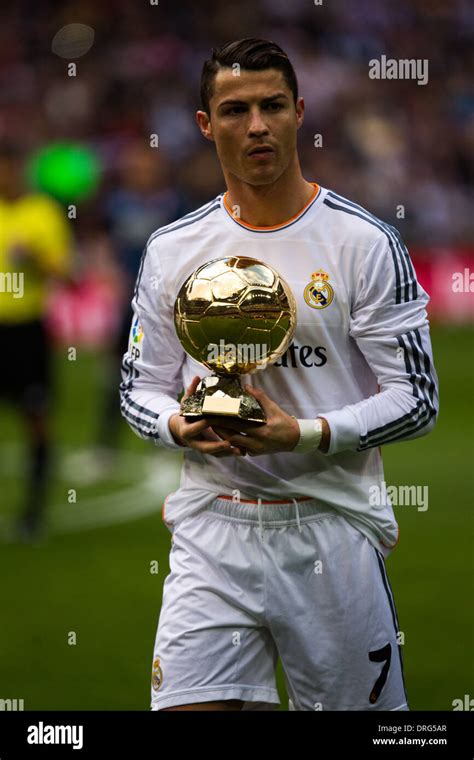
(204, 123)
(299, 107)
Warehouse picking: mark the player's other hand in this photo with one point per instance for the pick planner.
(200, 435)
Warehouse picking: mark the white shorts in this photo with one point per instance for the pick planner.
(250, 582)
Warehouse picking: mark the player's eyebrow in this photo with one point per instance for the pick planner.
(268, 99)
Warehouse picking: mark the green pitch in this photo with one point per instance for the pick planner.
(79, 611)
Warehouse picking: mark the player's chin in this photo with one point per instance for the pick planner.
(264, 176)
(270, 166)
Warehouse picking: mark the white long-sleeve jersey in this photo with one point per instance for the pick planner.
(361, 355)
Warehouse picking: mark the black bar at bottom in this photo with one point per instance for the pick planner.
(146, 734)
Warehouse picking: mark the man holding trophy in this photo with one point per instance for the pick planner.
(293, 320)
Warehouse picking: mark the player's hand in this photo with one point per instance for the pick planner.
(200, 435)
(281, 432)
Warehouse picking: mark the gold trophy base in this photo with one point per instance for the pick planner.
(224, 397)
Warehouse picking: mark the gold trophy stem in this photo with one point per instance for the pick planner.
(224, 396)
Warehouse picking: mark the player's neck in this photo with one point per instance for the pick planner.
(269, 205)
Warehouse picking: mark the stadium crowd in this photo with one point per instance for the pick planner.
(385, 143)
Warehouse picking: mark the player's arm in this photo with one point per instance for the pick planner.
(390, 325)
(151, 369)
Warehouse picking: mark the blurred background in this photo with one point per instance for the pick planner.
(83, 550)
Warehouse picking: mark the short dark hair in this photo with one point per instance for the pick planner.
(252, 54)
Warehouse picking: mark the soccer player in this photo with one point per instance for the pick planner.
(35, 247)
(278, 544)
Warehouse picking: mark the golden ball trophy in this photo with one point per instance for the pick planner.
(235, 316)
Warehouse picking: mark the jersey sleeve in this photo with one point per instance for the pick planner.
(151, 367)
(390, 325)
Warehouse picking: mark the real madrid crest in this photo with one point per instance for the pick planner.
(319, 293)
(157, 674)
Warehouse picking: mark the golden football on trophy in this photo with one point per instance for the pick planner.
(235, 316)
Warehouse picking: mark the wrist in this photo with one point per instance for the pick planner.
(313, 435)
(172, 427)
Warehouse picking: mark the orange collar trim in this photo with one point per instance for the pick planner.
(275, 226)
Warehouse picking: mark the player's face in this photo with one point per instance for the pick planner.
(251, 110)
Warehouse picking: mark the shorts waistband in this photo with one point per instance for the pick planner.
(264, 501)
(291, 510)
